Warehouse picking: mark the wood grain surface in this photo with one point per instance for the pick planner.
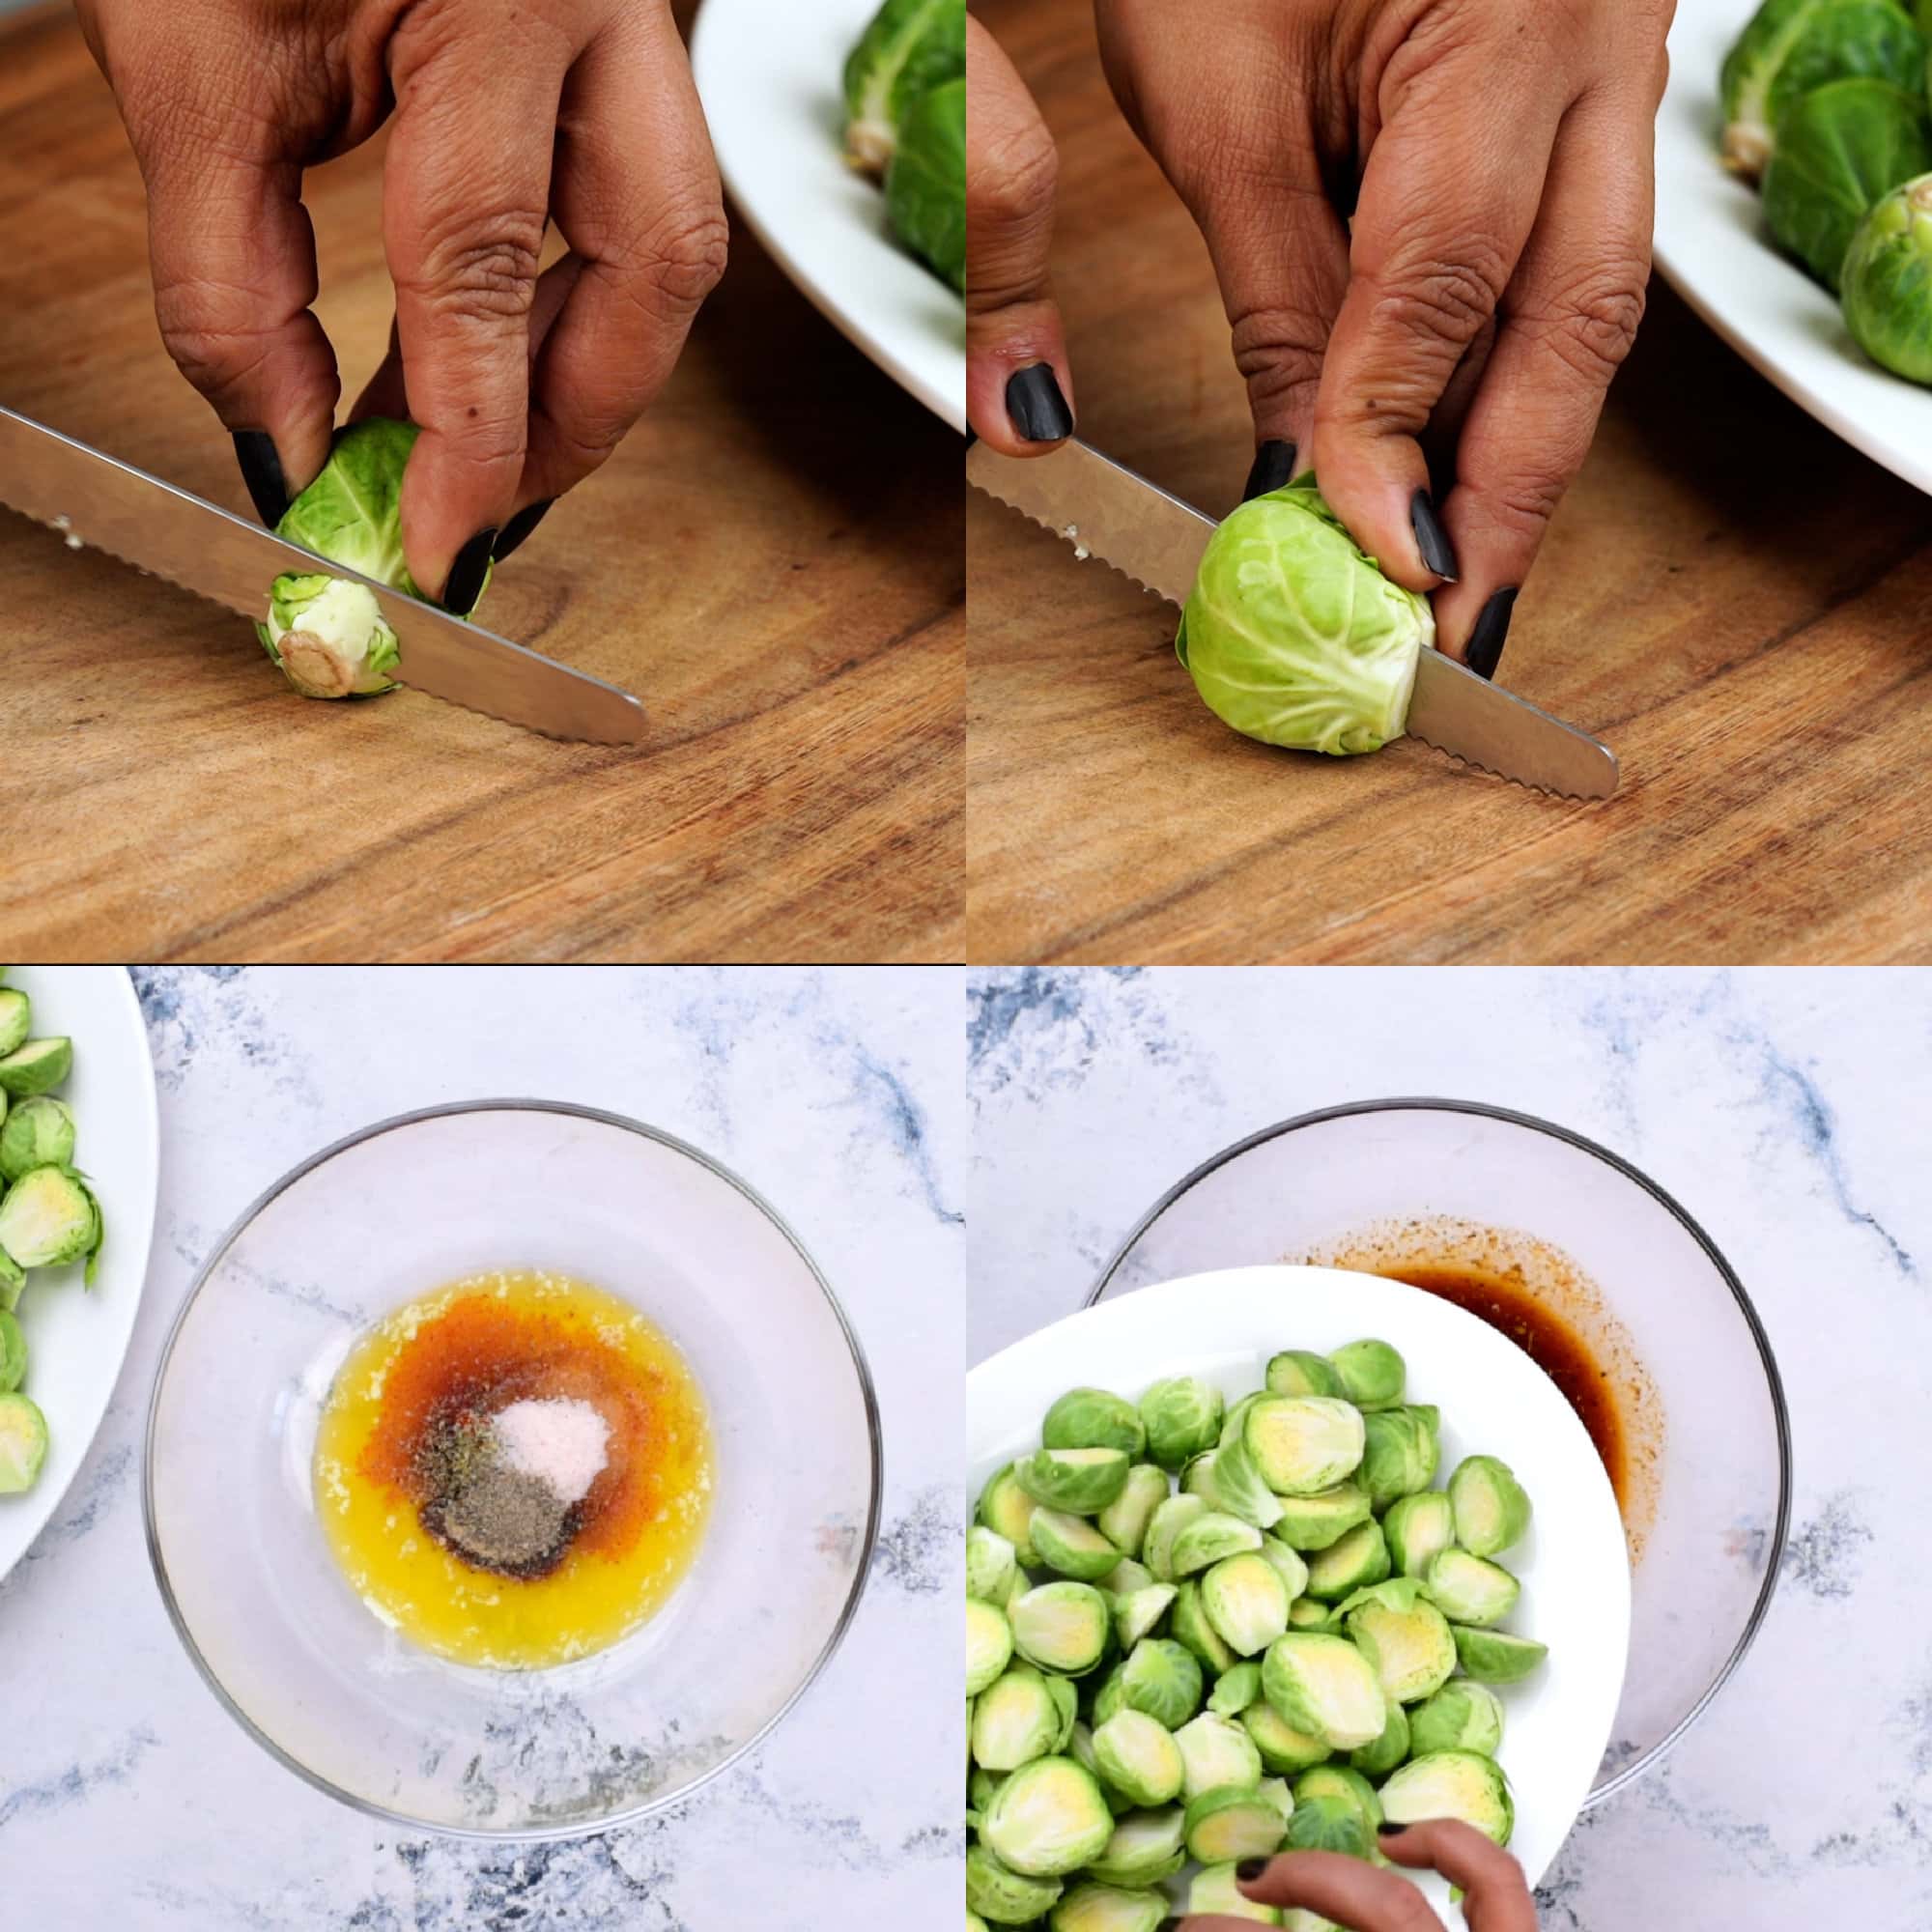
(1737, 602)
(772, 562)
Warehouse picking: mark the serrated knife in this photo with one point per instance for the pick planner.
(99, 503)
(1104, 510)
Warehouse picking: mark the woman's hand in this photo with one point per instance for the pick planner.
(1365, 1898)
(1019, 392)
(508, 113)
(1497, 155)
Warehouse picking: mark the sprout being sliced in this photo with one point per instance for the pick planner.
(993, 1568)
(1324, 1686)
(1161, 1679)
(1016, 1719)
(910, 48)
(1303, 1445)
(1082, 1482)
(1460, 1784)
(1215, 1751)
(23, 1444)
(329, 635)
(38, 1068)
(1306, 1613)
(1049, 1819)
(1146, 1849)
(1378, 1759)
(1418, 1530)
(16, 1018)
(1137, 1614)
(1372, 1372)
(1492, 1510)
(1070, 1545)
(1246, 1600)
(1182, 1415)
(1125, 1520)
(1061, 1627)
(1302, 1372)
(1137, 1756)
(1462, 1716)
(49, 1216)
(1089, 1418)
(1188, 1622)
(1105, 1907)
(13, 1352)
(1002, 1896)
(989, 1644)
(38, 1133)
(1007, 1509)
(1215, 1891)
(1404, 1636)
(1282, 1747)
(1350, 1563)
(1239, 1488)
(1233, 1821)
(1235, 1690)
(1125, 1577)
(1164, 1527)
(1495, 1657)
(1317, 1521)
(1887, 281)
(1470, 1589)
(1400, 1453)
(1208, 1539)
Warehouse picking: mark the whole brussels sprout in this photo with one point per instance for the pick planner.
(1887, 281)
(1302, 1372)
(1372, 1372)
(1182, 1415)
(1089, 1418)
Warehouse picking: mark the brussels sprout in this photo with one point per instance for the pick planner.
(981, 1785)
(1215, 1751)
(1216, 1891)
(38, 1068)
(1380, 1758)
(1144, 1849)
(1462, 1716)
(1208, 1539)
(1137, 1756)
(1079, 1747)
(1317, 1522)
(1887, 281)
(1002, 1896)
(12, 1279)
(1162, 1680)
(1460, 1784)
(993, 1569)
(1125, 1577)
(1089, 1418)
(1082, 1482)
(1305, 1613)
(1471, 1590)
(1182, 1415)
(1303, 1445)
(1006, 1508)
(13, 1352)
(1404, 1635)
(1061, 1627)
(23, 1444)
(16, 1018)
(1198, 1478)
(1235, 1689)
(910, 48)
(989, 1644)
(1049, 1819)
(1106, 1908)
(1494, 1657)
(1839, 149)
(1282, 1747)
(1343, 1782)
(1016, 1719)
(1066, 1707)
(1350, 1563)
(1239, 1490)
(329, 636)
(1324, 1686)
(1400, 1453)
(1328, 1824)
(38, 1133)
(974, 1923)
(1189, 1624)
(1244, 1599)
(1418, 1530)
(925, 182)
(1791, 46)
(50, 1216)
(1372, 1373)
(1233, 1821)
(1302, 1372)
(1136, 1615)
(1288, 1565)
(1070, 1545)
(1492, 1510)
(1125, 1520)
(1294, 637)
(1105, 1694)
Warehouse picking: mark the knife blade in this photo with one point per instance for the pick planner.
(1103, 509)
(100, 503)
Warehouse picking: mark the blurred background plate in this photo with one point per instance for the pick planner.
(1711, 244)
(769, 73)
(76, 1336)
(1575, 1580)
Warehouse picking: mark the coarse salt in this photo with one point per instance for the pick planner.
(557, 1439)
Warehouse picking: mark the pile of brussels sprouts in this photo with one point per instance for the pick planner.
(1295, 1644)
(48, 1215)
(905, 107)
(1826, 109)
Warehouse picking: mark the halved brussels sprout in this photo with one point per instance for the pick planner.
(1161, 1679)
(1048, 1819)
(989, 1644)
(1016, 1719)
(1282, 1747)
(1146, 1849)
(1460, 1784)
(49, 1217)
(1066, 1701)
(1462, 1716)
(1372, 1372)
(1198, 1478)
(23, 1444)
(1107, 1908)
(1380, 1758)
(1306, 1613)
(1125, 1520)
(1208, 1539)
(13, 1352)
(1005, 1507)
(1125, 1577)
(1091, 1418)
(1404, 1635)
(1137, 1756)
(1324, 1686)
(1233, 1821)
(1303, 1445)
(1188, 1621)
(1002, 1897)
(1328, 1824)
(12, 1279)
(16, 1018)
(1239, 1488)
(1182, 1415)
(1215, 1751)
(980, 1786)
(1350, 1563)
(1061, 1627)
(1288, 1565)
(1492, 1510)
(1418, 1530)
(1137, 1613)
(1244, 1599)
(1470, 1589)
(1082, 1482)
(1302, 1372)
(1887, 281)
(1164, 1527)
(1341, 1781)
(1235, 1689)
(1070, 1545)
(1495, 1657)
(38, 1068)
(1400, 1453)
(909, 48)
(1079, 1747)
(1215, 1891)
(992, 1566)
(1315, 1522)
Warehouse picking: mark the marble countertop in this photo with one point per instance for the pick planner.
(1786, 1109)
(128, 1798)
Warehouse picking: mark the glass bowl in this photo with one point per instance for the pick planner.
(1708, 1495)
(388, 1214)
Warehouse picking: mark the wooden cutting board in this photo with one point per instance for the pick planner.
(772, 562)
(1737, 602)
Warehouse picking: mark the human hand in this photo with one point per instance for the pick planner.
(507, 113)
(1019, 390)
(1497, 155)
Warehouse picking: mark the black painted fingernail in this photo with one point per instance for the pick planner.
(521, 526)
(1274, 464)
(1493, 629)
(467, 574)
(1250, 1868)
(1430, 538)
(1387, 1831)
(262, 472)
(1036, 406)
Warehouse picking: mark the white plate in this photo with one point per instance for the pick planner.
(1712, 243)
(1576, 1576)
(769, 73)
(77, 1336)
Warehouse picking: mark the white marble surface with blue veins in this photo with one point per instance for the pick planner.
(129, 1800)
(1787, 1109)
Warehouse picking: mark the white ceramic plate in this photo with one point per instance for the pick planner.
(768, 71)
(77, 1336)
(1711, 244)
(1576, 1576)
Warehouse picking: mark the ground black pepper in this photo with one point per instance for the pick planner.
(492, 1517)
